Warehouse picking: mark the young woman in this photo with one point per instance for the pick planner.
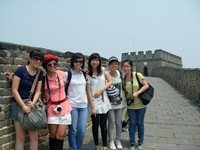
(98, 81)
(117, 103)
(136, 109)
(58, 107)
(21, 86)
(78, 99)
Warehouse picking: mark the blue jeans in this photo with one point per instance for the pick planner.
(78, 127)
(136, 118)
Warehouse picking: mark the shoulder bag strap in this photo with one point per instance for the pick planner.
(140, 84)
(34, 83)
(126, 92)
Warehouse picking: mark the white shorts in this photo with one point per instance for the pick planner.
(61, 120)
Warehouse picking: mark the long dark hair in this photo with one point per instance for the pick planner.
(94, 56)
(76, 56)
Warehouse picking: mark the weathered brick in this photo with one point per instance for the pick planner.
(5, 92)
(7, 130)
(4, 68)
(2, 75)
(5, 108)
(20, 61)
(43, 132)
(8, 146)
(3, 53)
(8, 115)
(5, 123)
(15, 53)
(5, 84)
(2, 116)
(7, 60)
(6, 139)
(6, 99)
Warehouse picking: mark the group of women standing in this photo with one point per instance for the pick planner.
(68, 94)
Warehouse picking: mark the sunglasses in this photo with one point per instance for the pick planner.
(52, 64)
(78, 61)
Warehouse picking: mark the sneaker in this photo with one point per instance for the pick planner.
(118, 144)
(140, 147)
(132, 147)
(112, 145)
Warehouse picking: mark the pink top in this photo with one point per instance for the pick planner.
(57, 93)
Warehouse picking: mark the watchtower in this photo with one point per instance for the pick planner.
(145, 62)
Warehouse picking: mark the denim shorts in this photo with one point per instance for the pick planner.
(14, 107)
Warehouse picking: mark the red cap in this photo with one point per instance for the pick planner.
(48, 58)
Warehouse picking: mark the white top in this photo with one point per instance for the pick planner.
(117, 82)
(102, 102)
(77, 90)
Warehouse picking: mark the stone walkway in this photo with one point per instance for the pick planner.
(172, 122)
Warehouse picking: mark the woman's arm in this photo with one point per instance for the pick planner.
(37, 94)
(143, 88)
(109, 81)
(107, 85)
(15, 86)
(91, 99)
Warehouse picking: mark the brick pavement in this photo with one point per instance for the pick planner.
(172, 122)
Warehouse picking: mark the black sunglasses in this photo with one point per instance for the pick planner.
(52, 64)
(78, 61)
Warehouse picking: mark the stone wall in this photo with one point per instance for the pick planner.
(187, 81)
(11, 57)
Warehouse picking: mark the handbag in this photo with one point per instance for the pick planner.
(147, 95)
(36, 118)
(114, 95)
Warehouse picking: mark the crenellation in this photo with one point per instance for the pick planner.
(132, 55)
(148, 54)
(125, 55)
(140, 55)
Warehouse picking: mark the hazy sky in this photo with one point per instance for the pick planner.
(110, 27)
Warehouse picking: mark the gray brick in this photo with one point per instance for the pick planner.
(6, 99)
(5, 84)
(6, 60)
(5, 92)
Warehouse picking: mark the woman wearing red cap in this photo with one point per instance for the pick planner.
(58, 107)
(21, 86)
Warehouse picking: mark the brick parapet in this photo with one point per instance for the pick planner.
(187, 81)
